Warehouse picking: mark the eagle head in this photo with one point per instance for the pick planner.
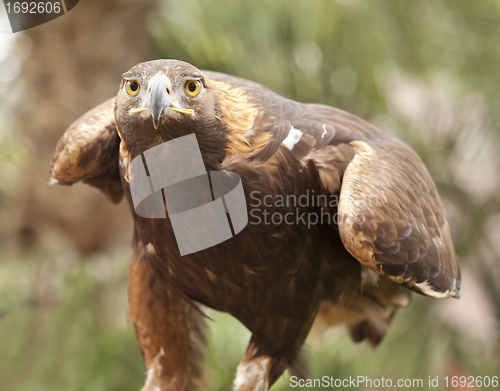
(166, 99)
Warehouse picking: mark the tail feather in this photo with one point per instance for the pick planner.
(368, 314)
(300, 366)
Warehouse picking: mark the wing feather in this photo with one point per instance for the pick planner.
(404, 235)
(392, 219)
(88, 151)
(277, 116)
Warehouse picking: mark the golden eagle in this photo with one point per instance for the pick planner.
(379, 225)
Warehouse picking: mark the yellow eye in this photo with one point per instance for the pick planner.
(193, 87)
(132, 87)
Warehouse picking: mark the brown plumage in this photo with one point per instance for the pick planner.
(383, 223)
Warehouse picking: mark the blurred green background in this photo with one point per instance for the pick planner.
(427, 71)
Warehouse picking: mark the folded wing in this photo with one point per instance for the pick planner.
(88, 151)
(392, 219)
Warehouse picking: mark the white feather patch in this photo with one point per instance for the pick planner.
(154, 372)
(427, 289)
(369, 277)
(254, 373)
(293, 138)
(150, 249)
(324, 131)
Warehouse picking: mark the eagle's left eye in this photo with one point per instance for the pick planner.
(132, 87)
(193, 87)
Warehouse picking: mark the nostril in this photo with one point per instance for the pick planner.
(168, 91)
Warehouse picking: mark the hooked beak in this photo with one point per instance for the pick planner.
(158, 98)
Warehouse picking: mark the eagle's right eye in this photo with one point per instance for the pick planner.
(132, 87)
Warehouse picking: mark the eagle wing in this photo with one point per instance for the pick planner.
(392, 219)
(89, 150)
(322, 125)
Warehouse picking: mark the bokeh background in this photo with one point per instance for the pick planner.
(427, 71)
